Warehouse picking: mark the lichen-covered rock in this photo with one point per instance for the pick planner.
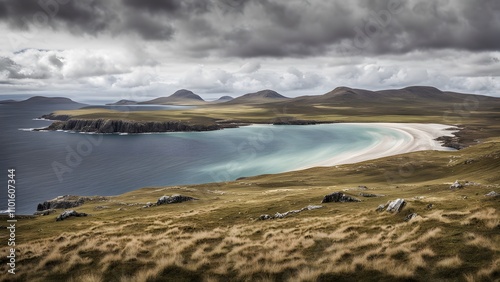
(396, 205)
(69, 213)
(338, 197)
(173, 199)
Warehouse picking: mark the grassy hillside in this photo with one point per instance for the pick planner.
(219, 237)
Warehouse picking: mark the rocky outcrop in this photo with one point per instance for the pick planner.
(338, 197)
(67, 202)
(70, 213)
(128, 126)
(61, 202)
(285, 214)
(173, 199)
(53, 116)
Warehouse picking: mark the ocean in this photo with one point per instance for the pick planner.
(50, 164)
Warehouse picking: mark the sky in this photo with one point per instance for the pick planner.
(139, 49)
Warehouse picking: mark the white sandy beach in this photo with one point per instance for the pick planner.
(420, 137)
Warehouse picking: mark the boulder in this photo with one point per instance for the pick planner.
(338, 197)
(456, 185)
(173, 199)
(396, 205)
(69, 213)
(380, 208)
(492, 194)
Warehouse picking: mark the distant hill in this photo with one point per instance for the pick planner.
(40, 100)
(123, 103)
(263, 96)
(180, 97)
(413, 95)
(224, 99)
(8, 101)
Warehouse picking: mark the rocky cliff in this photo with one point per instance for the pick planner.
(127, 126)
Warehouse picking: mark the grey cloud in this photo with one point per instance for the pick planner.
(16, 71)
(272, 28)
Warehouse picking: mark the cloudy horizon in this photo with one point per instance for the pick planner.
(125, 49)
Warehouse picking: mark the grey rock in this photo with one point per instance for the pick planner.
(492, 194)
(368, 195)
(173, 199)
(429, 206)
(396, 205)
(456, 185)
(410, 216)
(338, 197)
(380, 208)
(61, 202)
(285, 214)
(69, 213)
(265, 217)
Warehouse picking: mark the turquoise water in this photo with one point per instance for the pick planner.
(49, 164)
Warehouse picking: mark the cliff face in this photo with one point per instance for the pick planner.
(127, 126)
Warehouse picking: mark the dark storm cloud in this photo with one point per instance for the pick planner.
(172, 7)
(89, 16)
(303, 28)
(272, 28)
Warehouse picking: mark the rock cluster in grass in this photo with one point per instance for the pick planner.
(285, 214)
(70, 213)
(173, 199)
(456, 185)
(492, 194)
(369, 195)
(338, 197)
(64, 202)
(61, 202)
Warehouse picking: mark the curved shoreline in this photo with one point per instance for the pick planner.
(421, 137)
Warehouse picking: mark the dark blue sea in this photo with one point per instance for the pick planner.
(49, 164)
